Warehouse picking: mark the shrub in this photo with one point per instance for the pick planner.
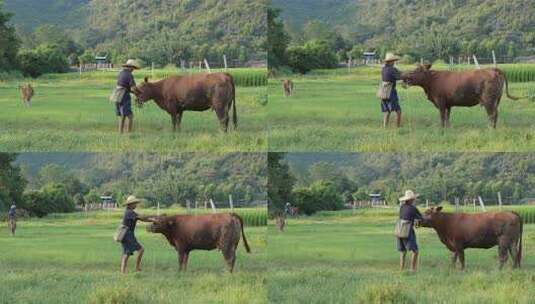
(315, 54)
(52, 198)
(43, 59)
(319, 196)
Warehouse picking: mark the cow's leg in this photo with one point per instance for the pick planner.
(492, 113)
(222, 114)
(443, 116)
(502, 253)
(185, 261)
(174, 119)
(461, 258)
(513, 252)
(230, 258)
(181, 256)
(454, 259)
(448, 112)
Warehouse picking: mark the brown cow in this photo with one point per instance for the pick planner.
(199, 92)
(205, 232)
(287, 87)
(459, 231)
(446, 89)
(26, 92)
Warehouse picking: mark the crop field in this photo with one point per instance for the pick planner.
(346, 257)
(73, 259)
(73, 114)
(334, 110)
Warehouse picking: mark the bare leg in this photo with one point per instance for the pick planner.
(414, 264)
(121, 124)
(398, 118)
(124, 262)
(402, 256)
(139, 257)
(130, 123)
(386, 118)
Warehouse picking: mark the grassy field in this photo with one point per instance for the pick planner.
(69, 114)
(73, 259)
(338, 111)
(341, 257)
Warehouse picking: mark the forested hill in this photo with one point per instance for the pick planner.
(458, 26)
(28, 14)
(168, 178)
(163, 31)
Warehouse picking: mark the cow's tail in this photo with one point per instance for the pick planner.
(247, 248)
(519, 252)
(234, 114)
(502, 73)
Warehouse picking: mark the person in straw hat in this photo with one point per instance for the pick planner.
(123, 109)
(129, 242)
(408, 212)
(390, 74)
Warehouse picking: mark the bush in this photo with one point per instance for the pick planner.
(319, 196)
(43, 59)
(52, 198)
(315, 54)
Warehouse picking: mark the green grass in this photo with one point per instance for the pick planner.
(69, 114)
(74, 260)
(353, 259)
(333, 110)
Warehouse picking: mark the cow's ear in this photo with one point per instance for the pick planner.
(427, 66)
(438, 209)
(146, 79)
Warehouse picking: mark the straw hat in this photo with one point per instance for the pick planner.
(409, 195)
(131, 63)
(391, 57)
(131, 200)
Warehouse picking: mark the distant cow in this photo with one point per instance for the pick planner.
(287, 87)
(26, 93)
(459, 231)
(205, 232)
(446, 89)
(199, 92)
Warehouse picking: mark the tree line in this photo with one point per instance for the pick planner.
(162, 32)
(316, 182)
(60, 185)
(416, 29)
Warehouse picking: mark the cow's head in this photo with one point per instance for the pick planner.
(161, 224)
(429, 216)
(417, 77)
(143, 92)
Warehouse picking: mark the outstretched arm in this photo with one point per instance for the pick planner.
(148, 218)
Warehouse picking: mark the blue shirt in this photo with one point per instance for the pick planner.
(12, 211)
(126, 79)
(130, 219)
(409, 213)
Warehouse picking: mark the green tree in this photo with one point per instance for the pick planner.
(9, 43)
(12, 183)
(280, 182)
(278, 39)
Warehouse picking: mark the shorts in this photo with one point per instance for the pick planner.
(130, 244)
(388, 106)
(124, 108)
(409, 243)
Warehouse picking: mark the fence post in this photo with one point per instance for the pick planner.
(225, 61)
(476, 62)
(481, 203)
(207, 65)
(213, 206)
(81, 70)
(456, 204)
(188, 205)
(196, 206)
(231, 203)
(500, 200)
(152, 71)
(494, 58)
(158, 209)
